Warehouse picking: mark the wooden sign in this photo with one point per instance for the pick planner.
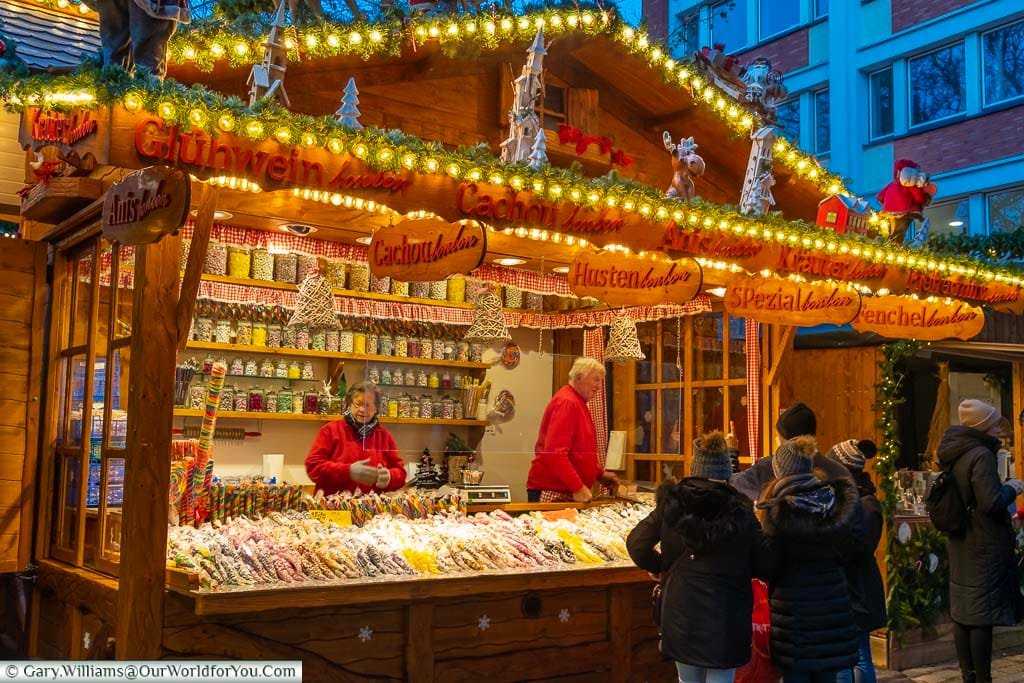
(998, 295)
(903, 317)
(146, 205)
(628, 280)
(786, 302)
(427, 249)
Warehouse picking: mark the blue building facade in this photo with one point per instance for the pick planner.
(940, 82)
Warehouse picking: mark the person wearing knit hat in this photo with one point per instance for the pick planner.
(711, 458)
(703, 544)
(797, 420)
(794, 456)
(978, 415)
(852, 453)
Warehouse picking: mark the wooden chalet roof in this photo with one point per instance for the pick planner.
(49, 38)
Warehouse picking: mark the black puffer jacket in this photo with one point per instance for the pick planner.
(867, 593)
(812, 621)
(711, 547)
(751, 481)
(981, 576)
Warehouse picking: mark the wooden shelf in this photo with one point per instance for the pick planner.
(307, 353)
(350, 293)
(302, 417)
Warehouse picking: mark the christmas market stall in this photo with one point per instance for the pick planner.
(451, 207)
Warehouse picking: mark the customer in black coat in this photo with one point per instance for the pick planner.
(811, 527)
(867, 593)
(711, 547)
(983, 587)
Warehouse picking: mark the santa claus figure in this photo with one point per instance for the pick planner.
(904, 199)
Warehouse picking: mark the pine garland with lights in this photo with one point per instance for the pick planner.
(997, 248)
(918, 594)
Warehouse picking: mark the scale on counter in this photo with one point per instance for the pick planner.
(488, 494)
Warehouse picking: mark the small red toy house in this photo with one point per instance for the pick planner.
(843, 214)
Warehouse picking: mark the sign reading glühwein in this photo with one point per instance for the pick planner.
(628, 280)
(427, 249)
(788, 302)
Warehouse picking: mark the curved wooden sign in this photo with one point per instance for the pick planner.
(903, 317)
(628, 280)
(427, 249)
(146, 205)
(786, 302)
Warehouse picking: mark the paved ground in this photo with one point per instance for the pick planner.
(1007, 667)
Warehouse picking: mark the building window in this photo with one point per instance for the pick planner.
(1006, 210)
(1003, 59)
(554, 108)
(822, 132)
(787, 120)
(948, 218)
(729, 24)
(938, 85)
(820, 8)
(687, 33)
(775, 16)
(880, 84)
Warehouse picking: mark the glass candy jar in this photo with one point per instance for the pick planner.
(462, 351)
(262, 265)
(331, 340)
(449, 349)
(422, 379)
(239, 261)
(380, 285)
(243, 332)
(414, 409)
(251, 368)
(266, 368)
(294, 370)
(203, 329)
(457, 289)
(393, 406)
(216, 262)
(196, 397)
(301, 338)
(410, 377)
(399, 288)
(439, 290)
(287, 337)
(259, 334)
(241, 401)
(513, 297)
(404, 403)
(310, 402)
(227, 398)
(373, 375)
(446, 379)
(426, 406)
(284, 401)
(371, 343)
(426, 345)
(271, 401)
(447, 408)
(359, 343)
(285, 267)
(273, 335)
(345, 341)
(257, 400)
(383, 376)
(433, 381)
(305, 266)
(438, 349)
(419, 290)
(307, 369)
(401, 346)
(297, 402)
(281, 369)
(359, 277)
(222, 331)
(237, 367)
(318, 340)
(386, 345)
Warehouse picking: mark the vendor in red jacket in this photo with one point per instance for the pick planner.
(355, 453)
(565, 464)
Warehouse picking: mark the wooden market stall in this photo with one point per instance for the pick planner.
(143, 275)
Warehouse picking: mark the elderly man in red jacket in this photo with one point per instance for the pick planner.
(565, 464)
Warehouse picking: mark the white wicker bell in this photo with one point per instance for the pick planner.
(315, 305)
(488, 321)
(623, 343)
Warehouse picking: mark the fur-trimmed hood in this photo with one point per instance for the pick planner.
(786, 516)
(705, 513)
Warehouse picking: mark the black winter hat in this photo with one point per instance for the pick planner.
(797, 420)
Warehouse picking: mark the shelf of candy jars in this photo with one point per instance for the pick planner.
(284, 270)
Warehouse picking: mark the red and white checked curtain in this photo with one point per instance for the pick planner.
(753, 344)
(593, 347)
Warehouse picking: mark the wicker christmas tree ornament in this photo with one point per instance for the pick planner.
(623, 343)
(488, 321)
(315, 305)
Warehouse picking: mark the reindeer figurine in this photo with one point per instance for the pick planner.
(686, 165)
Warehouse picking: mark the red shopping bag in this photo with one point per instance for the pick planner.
(760, 668)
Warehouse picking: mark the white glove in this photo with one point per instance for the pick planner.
(362, 472)
(383, 477)
(1016, 484)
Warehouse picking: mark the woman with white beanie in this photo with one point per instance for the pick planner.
(983, 590)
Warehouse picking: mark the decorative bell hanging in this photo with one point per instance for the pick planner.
(488, 321)
(315, 305)
(623, 343)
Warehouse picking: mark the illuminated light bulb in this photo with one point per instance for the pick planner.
(539, 22)
(63, 4)
(190, 52)
(611, 201)
(833, 188)
(516, 182)
(582, 242)
(166, 110)
(336, 199)
(217, 50)
(335, 145)
(645, 209)
(570, 240)
(752, 231)
(470, 27)
(82, 9)
(697, 84)
(794, 238)
(720, 103)
(384, 155)
(575, 194)
(359, 150)
(593, 197)
(556, 191)
(359, 202)
(490, 27)
(433, 32)
(901, 259)
(197, 117)
(843, 249)
(855, 251)
(520, 233)
(132, 102)
(421, 32)
(643, 42)
(806, 241)
(308, 140)
(355, 37)
(506, 24)
(818, 244)
(226, 123)
(693, 218)
(333, 40)
(409, 160)
(801, 165)
(656, 54)
(588, 18)
(709, 94)
(475, 175)
(452, 30)
(677, 216)
(746, 122)
(431, 165)
(375, 36)
(931, 265)
(661, 213)
(254, 129)
(496, 179)
(310, 40)
(628, 205)
(792, 155)
(556, 20)
(316, 195)
(453, 170)
(241, 49)
(283, 135)
(738, 229)
(572, 20)
(723, 225)
(733, 112)
(523, 23)
(813, 174)
(556, 237)
(348, 202)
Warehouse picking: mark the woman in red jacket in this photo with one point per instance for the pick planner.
(355, 453)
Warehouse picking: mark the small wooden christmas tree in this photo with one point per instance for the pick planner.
(348, 113)
(539, 152)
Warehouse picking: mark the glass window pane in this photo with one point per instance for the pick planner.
(648, 335)
(76, 404)
(671, 421)
(738, 348)
(948, 218)
(707, 342)
(671, 469)
(115, 498)
(938, 85)
(106, 298)
(66, 502)
(687, 33)
(1006, 210)
(645, 470)
(822, 132)
(777, 15)
(672, 358)
(820, 8)
(729, 24)
(554, 99)
(787, 120)
(124, 293)
(81, 274)
(120, 364)
(738, 418)
(708, 410)
(63, 408)
(643, 433)
(881, 103)
(1003, 58)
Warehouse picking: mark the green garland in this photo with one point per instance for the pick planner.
(998, 247)
(918, 592)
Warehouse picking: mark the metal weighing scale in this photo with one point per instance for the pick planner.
(488, 494)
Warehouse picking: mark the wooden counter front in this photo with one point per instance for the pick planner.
(586, 623)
